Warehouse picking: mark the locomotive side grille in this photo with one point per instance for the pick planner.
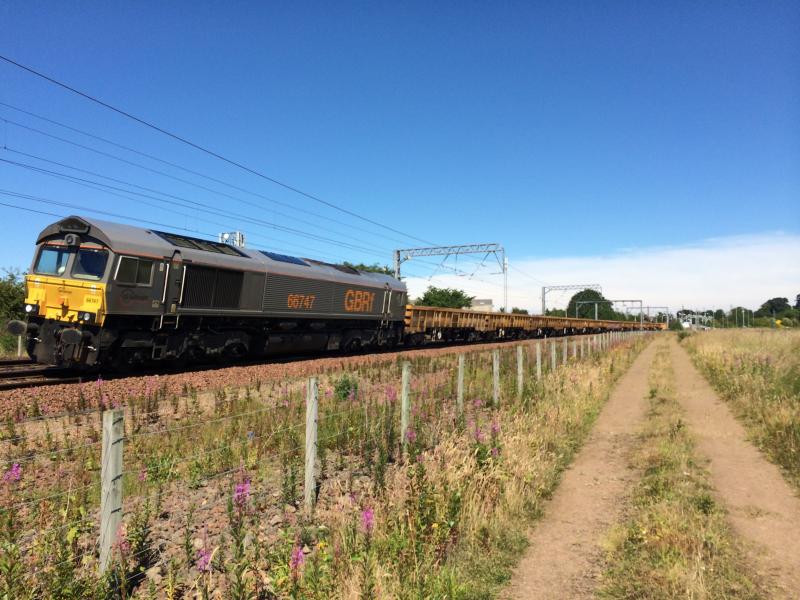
(199, 287)
(212, 288)
(228, 289)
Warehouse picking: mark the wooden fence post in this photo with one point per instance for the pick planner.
(460, 387)
(564, 351)
(574, 350)
(496, 377)
(110, 483)
(553, 358)
(312, 408)
(520, 351)
(538, 360)
(405, 404)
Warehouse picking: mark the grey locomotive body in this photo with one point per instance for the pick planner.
(102, 293)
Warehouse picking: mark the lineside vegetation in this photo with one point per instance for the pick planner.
(213, 485)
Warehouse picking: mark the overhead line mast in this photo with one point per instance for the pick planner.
(402, 255)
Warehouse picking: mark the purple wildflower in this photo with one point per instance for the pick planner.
(391, 394)
(477, 403)
(122, 543)
(479, 436)
(495, 428)
(203, 560)
(368, 520)
(13, 474)
(296, 561)
(143, 475)
(411, 435)
(495, 451)
(242, 493)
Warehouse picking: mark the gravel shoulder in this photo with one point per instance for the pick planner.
(564, 559)
(763, 508)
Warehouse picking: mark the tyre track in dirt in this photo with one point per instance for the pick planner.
(564, 559)
(763, 508)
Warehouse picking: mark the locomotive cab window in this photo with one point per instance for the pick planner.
(134, 271)
(90, 264)
(52, 260)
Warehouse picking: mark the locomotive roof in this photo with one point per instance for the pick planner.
(129, 239)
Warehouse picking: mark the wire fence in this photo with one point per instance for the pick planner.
(276, 446)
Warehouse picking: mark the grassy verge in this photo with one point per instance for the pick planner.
(758, 373)
(212, 488)
(453, 522)
(675, 542)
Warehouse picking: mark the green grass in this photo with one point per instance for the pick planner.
(758, 373)
(675, 541)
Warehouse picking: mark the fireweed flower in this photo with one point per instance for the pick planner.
(241, 493)
(13, 474)
(479, 437)
(495, 428)
(368, 520)
(122, 544)
(411, 435)
(203, 560)
(296, 561)
(143, 475)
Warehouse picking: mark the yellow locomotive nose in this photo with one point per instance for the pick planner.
(66, 300)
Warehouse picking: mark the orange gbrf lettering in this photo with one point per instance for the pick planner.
(359, 301)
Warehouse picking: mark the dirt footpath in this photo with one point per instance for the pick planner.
(565, 558)
(763, 508)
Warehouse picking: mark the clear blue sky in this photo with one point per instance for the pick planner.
(553, 128)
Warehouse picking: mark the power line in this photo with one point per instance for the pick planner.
(115, 215)
(205, 150)
(430, 265)
(168, 163)
(179, 199)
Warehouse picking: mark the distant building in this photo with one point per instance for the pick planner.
(482, 305)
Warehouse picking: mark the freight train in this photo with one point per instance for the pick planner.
(110, 295)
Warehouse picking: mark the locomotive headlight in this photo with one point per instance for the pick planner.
(31, 308)
(87, 317)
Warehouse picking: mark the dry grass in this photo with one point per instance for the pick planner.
(758, 373)
(675, 542)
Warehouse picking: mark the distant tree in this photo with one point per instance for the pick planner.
(445, 297)
(605, 310)
(518, 311)
(774, 307)
(797, 302)
(12, 298)
(12, 295)
(373, 268)
(555, 312)
(719, 314)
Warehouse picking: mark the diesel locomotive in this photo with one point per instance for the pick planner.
(103, 294)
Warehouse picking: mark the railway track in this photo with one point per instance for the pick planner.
(16, 374)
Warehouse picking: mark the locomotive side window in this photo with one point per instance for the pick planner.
(89, 264)
(52, 260)
(134, 271)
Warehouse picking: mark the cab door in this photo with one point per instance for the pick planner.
(173, 286)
